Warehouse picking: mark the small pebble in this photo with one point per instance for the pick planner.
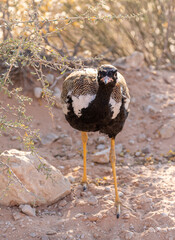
(101, 147)
(141, 137)
(63, 203)
(146, 150)
(101, 157)
(164, 214)
(101, 140)
(151, 229)
(92, 218)
(129, 235)
(131, 141)
(13, 138)
(49, 138)
(137, 154)
(17, 215)
(44, 238)
(66, 141)
(92, 200)
(126, 216)
(37, 92)
(71, 179)
(51, 232)
(107, 189)
(78, 215)
(118, 148)
(33, 235)
(28, 210)
(50, 78)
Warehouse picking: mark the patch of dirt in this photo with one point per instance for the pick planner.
(145, 171)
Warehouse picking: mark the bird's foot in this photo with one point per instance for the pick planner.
(117, 205)
(84, 183)
(85, 186)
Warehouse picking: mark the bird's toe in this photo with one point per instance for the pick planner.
(85, 186)
(117, 204)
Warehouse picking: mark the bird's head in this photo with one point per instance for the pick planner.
(107, 75)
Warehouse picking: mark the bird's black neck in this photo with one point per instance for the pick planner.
(103, 95)
(98, 109)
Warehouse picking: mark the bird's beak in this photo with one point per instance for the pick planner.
(107, 79)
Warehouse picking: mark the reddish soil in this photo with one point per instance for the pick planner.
(146, 173)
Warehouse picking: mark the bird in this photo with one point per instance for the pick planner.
(97, 100)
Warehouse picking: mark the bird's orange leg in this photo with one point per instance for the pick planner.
(84, 138)
(112, 157)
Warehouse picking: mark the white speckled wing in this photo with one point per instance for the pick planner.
(81, 102)
(115, 107)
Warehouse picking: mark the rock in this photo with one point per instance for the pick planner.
(101, 147)
(118, 148)
(14, 138)
(49, 138)
(17, 215)
(51, 232)
(57, 95)
(63, 203)
(92, 218)
(33, 235)
(135, 60)
(146, 150)
(129, 235)
(101, 140)
(92, 200)
(71, 179)
(120, 194)
(137, 154)
(171, 103)
(164, 214)
(171, 238)
(168, 129)
(151, 230)
(79, 215)
(141, 137)
(57, 90)
(44, 238)
(37, 92)
(169, 78)
(126, 216)
(34, 180)
(66, 141)
(107, 189)
(28, 210)
(157, 98)
(150, 109)
(58, 127)
(50, 78)
(121, 63)
(131, 141)
(133, 100)
(101, 157)
(147, 78)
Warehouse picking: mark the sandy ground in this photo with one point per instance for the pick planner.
(145, 171)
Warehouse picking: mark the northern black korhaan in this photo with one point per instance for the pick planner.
(97, 100)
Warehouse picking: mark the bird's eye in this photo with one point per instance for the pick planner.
(110, 74)
(102, 74)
